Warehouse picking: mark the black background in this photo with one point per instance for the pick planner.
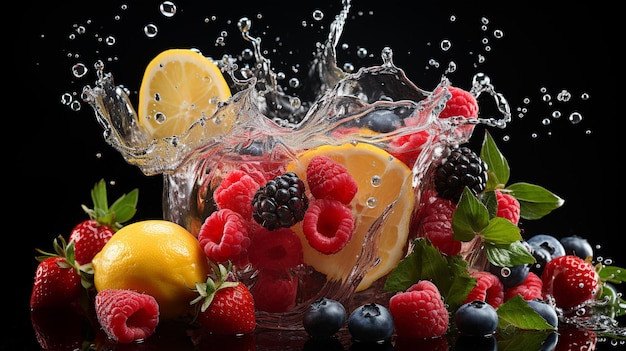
(54, 155)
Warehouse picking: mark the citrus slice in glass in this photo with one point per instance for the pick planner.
(180, 87)
(383, 181)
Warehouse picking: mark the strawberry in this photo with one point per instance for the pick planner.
(58, 280)
(227, 306)
(57, 284)
(90, 235)
(570, 281)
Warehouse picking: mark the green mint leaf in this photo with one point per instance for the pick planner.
(488, 198)
(500, 231)
(535, 201)
(515, 312)
(498, 167)
(470, 217)
(425, 262)
(508, 255)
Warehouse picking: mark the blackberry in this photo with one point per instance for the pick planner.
(281, 202)
(463, 167)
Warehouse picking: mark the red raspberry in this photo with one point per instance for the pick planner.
(126, 315)
(419, 312)
(275, 250)
(508, 207)
(328, 179)
(275, 291)
(570, 280)
(436, 225)
(529, 289)
(462, 103)
(235, 192)
(407, 148)
(224, 236)
(488, 288)
(328, 225)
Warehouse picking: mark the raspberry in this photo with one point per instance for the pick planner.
(275, 250)
(529, 289)
(328, 225)
(407, 148)
(235, 192)
(126, 315)
(508, 207)
(436, 225)
(328, 179)
(461, 168)
(281, 202)
(419, 312)
(275, 291)
(488, 288)
(570, 280)
(462, 103)
(224, 236)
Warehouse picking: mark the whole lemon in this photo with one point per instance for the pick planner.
(155, 257)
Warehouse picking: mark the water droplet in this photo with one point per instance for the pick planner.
(545, 121)
(556, 114)
(294, 82)
(575, 117)
(445, 45)
(160, 117)
(584, 96)
(75, 105)
(348, 67)
(498, 33)
(505, 272)
(150, 30)
(452, 18)
(361, 53)
(167, 8)
(79, 70)
(110, 40)
(376, 181)
(66, 98)
(564, 96)
(372, 202)
(318, 15)
(546, 97)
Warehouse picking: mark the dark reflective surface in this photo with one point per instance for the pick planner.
(58, 154)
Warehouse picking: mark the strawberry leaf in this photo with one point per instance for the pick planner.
(535, 201)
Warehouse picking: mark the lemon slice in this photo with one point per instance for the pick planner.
(179, 87)
(382, 180)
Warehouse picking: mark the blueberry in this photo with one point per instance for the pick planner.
(545, 310)
(476, 318)
(371, 323)
(576, 245)
(323, 318)
(382, 121)
(544, 248)
(510, 276)
(476, 343)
